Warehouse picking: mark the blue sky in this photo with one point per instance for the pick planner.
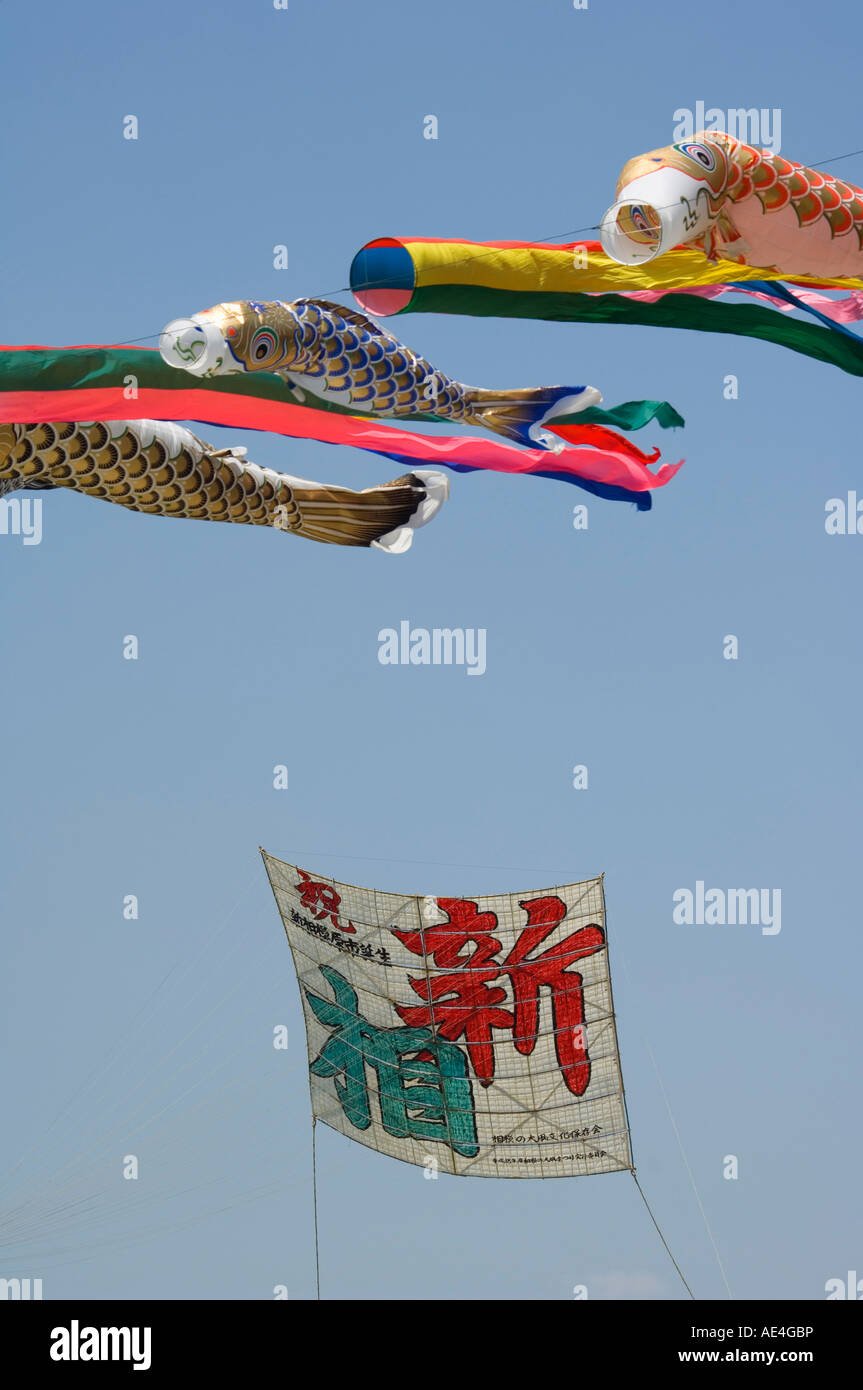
(154, 777)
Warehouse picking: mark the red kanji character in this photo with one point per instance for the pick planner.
(465, 1002)
(321, 900)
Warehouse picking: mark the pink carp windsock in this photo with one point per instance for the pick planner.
(158, 467)
(738, 204)
(341, 356)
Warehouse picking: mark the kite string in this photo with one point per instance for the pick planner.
(661, 1236)
(315, 1209)
(686, 1164)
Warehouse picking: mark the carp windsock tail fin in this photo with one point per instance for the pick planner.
(384, 517)
(521, 415)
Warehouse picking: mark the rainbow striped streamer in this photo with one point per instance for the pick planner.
(578, 282)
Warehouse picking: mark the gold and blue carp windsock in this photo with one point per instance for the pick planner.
(473, 1036)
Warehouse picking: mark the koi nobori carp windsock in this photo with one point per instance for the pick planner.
(739, 204)
(158, 467)
(340, 355)
(337, 359)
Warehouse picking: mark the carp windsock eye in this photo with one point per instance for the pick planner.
(264, 345)
(700, 153)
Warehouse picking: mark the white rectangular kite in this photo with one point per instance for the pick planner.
(473, 1035)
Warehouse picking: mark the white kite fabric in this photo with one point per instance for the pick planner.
(473, 1036)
